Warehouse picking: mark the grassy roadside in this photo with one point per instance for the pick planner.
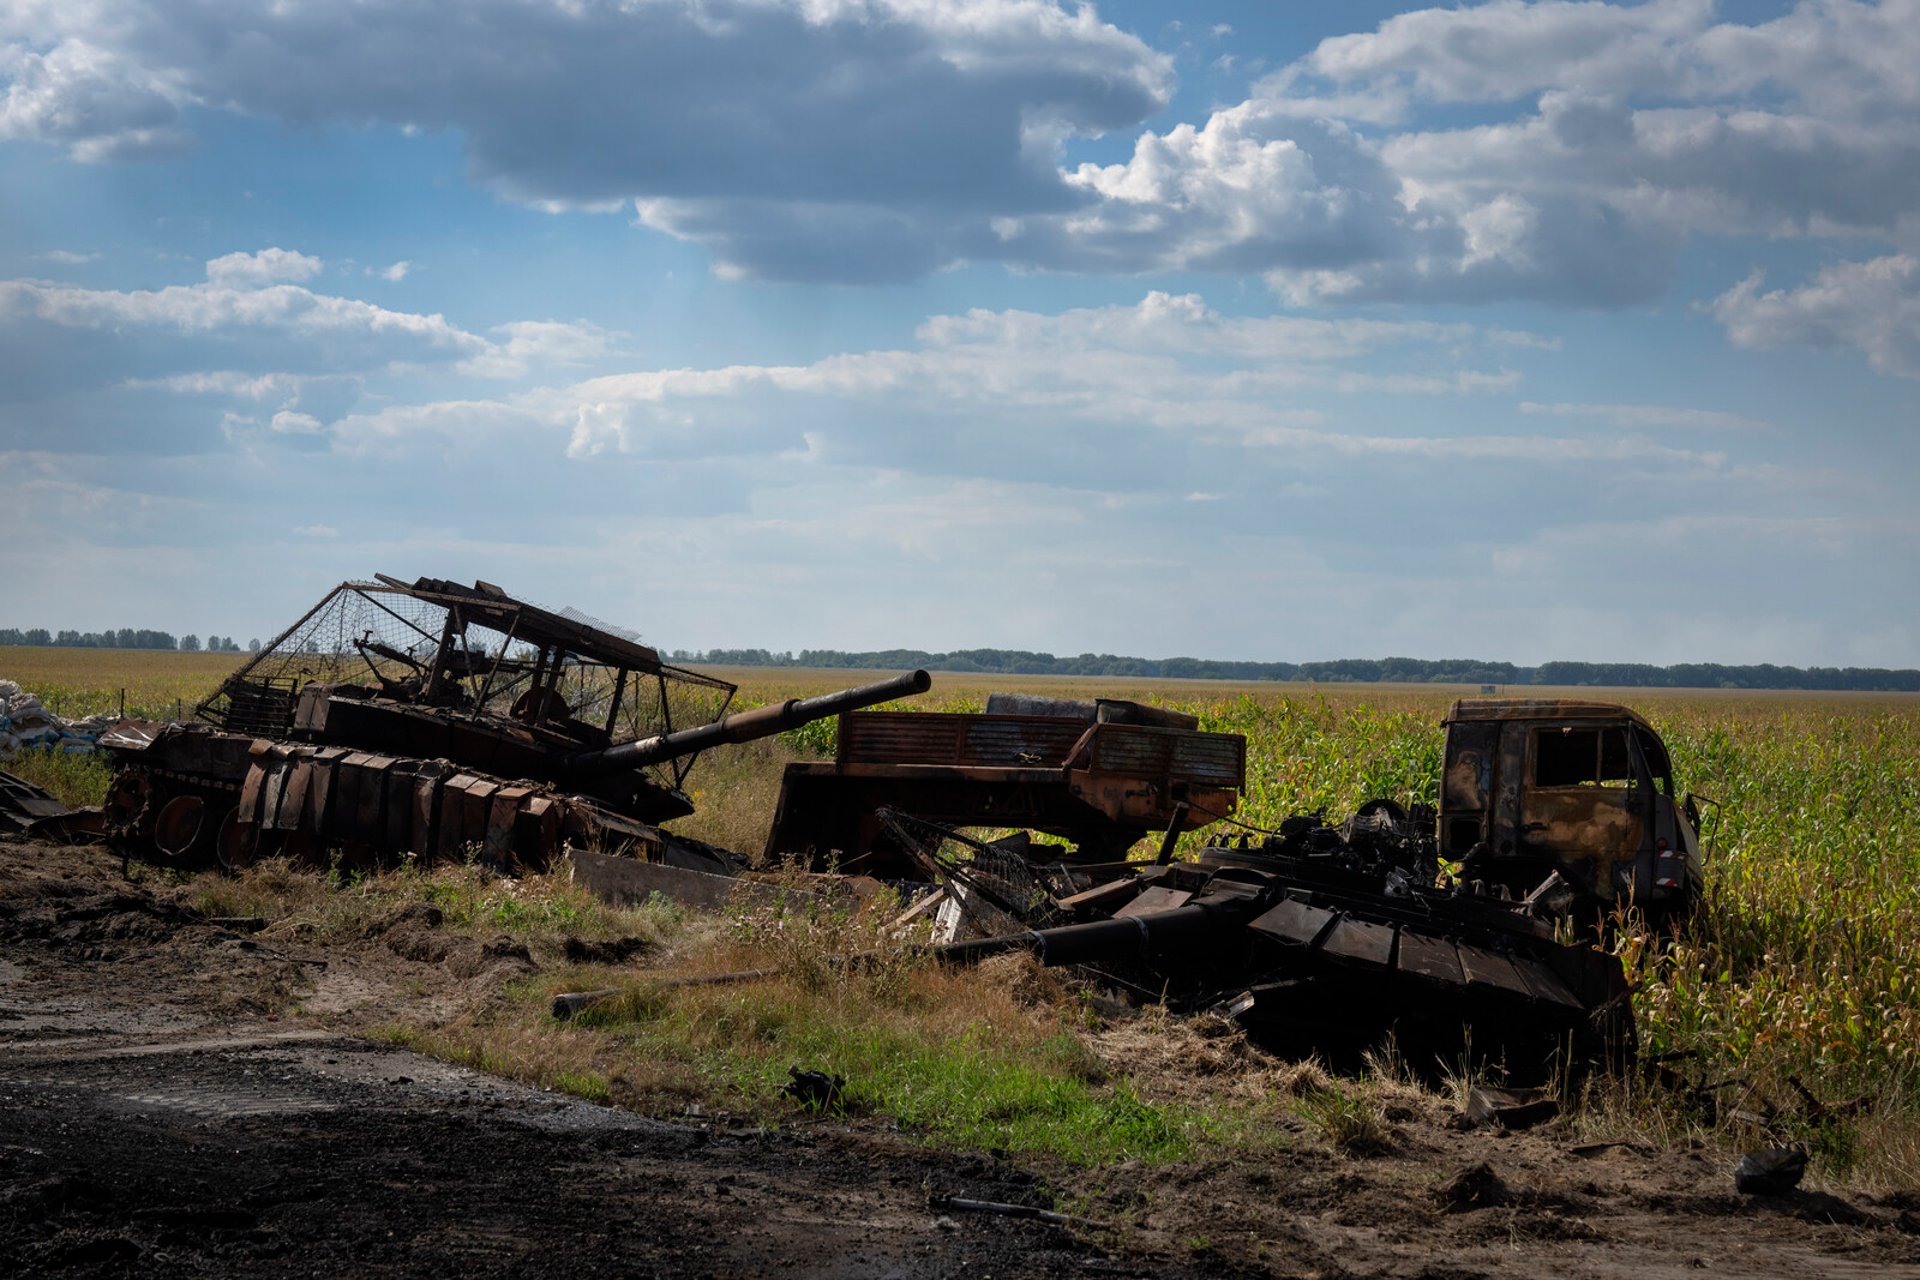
(1007, 1058)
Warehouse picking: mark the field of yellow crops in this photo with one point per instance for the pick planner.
(1804, 962)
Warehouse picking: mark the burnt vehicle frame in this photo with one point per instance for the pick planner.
(1585, 789)
(1101, 774)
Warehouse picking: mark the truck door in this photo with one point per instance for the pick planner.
(1583, 805)
(1467, 786)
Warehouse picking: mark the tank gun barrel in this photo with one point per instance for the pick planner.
(761, 722)
(1136, 937)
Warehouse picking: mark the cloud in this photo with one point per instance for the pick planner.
(880, 140)
(1169, 364)
(251, 270)
(535, 344)
(393, 274)
(1155, 396)
(829, 117)
(287, 422)
(99, 102)
(1637, 416)
(68, 258)
(1616, 134)
(1871, 306)
(216, 308)
(246, 306)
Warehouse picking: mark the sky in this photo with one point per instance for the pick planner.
(1268, 331)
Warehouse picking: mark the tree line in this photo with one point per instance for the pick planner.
(124, 638)
(1686, 675)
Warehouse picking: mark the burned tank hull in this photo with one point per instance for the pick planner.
(1328, 940)
(437, 721)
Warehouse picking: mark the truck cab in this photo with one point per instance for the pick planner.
(1531, 787)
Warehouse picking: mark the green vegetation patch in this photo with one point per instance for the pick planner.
(74, 778)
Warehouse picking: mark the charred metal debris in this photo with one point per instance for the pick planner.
(435, 720)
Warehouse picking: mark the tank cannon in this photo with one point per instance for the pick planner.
(439, 720)
(745, 726)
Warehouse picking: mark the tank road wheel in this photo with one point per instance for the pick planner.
(236, 846)
(128, 814)
(178, 828)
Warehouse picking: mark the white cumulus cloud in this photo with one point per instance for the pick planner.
(1872, 306)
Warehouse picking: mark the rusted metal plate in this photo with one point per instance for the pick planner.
(955, 738)
(1158, 897)
(478, 814)
(537, 831)
(1545, 984)
(270, 793)
(30, 803)
(424, 801)
(1361, 942)
(1295, 922)
(293, 796)
(501, 823)
(1434, 958)
(368, 822)
(345, 798)
(1213, 759)
(250, 793)
(319, 793)
(398, 828)
(453, 816)
(1489, 968)
(1102, 897)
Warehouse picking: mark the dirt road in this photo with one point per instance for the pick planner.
(165, 1111)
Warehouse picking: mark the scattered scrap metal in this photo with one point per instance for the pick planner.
(26, 809)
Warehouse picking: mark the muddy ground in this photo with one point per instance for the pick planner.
(178, 1097)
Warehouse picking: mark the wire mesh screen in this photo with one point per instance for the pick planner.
(1004, 876)
(386, 639)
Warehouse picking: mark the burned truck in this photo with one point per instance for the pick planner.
(1100, 774)
(1531, 788)
(439, 720)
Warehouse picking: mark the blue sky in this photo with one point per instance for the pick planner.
(1273, 331)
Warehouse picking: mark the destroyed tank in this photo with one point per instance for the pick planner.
(439, 721)
(1321, 940)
